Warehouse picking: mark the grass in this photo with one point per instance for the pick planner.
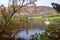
(50, 16)
(35, 17)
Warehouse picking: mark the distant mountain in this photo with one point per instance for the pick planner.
(32, 10)
(39, 10)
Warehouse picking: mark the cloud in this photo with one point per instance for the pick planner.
(46, 2)
(38, 3)
(5, 2)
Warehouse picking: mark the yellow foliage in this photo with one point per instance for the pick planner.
(5, 13)
(14, 26)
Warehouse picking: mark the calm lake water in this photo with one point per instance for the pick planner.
(26, 36)
(37, 27)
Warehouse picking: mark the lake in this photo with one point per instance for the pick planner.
(36, 27)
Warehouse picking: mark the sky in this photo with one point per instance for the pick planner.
(38, 3)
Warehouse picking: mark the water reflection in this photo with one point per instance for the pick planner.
(36, 27)
(47, 22)
(26, 36)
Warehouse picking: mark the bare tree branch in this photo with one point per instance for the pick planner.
(13, 6)
(17, 10)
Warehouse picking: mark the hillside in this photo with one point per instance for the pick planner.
(39, 10)
(32, 10)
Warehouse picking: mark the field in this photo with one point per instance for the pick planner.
(50, 17)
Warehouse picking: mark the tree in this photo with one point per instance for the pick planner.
(56, 6)
(22, 2)
(8, 27)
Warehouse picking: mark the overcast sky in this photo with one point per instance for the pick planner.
(39, 2)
